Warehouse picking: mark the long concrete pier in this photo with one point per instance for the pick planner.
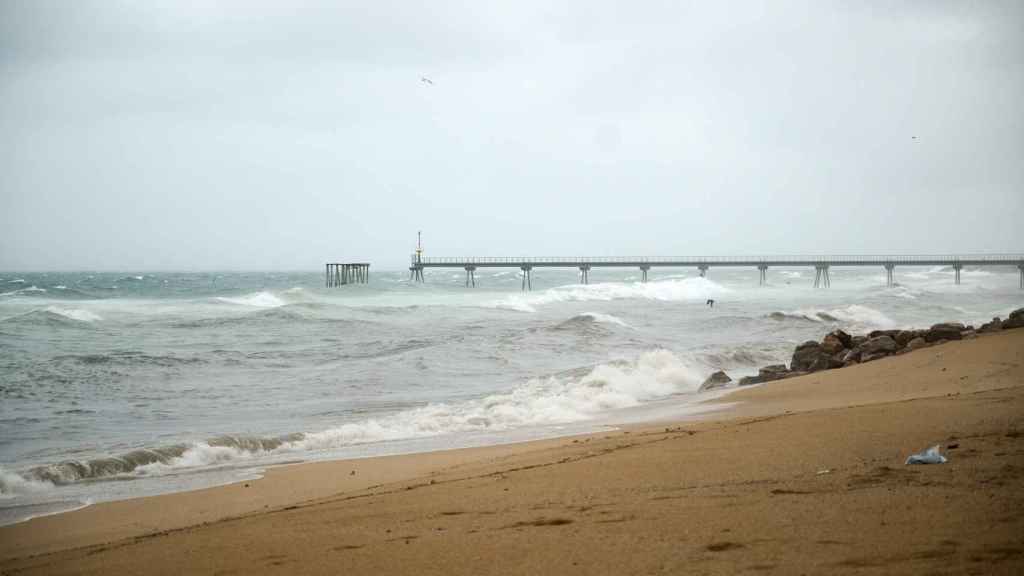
(821, 264)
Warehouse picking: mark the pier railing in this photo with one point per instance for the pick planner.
(821, 263)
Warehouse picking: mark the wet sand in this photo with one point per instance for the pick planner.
(798, 476)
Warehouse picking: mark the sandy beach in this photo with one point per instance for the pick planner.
(805, 475)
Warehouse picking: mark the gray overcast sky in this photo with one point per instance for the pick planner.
(270, 135)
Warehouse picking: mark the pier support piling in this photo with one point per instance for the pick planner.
(643, 273)
(703, 270)
(585, 274)
(1021, 268)
(470, 276)
(890, 280)
(821, 278)
(527, 277)
(341, 274)
(956, 271)
(763, 273)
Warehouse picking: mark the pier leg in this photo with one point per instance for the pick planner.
(1021, 268)
(817, 276)
(703, 271)
(828, 279)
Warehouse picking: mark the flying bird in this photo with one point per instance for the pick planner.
(426, 80)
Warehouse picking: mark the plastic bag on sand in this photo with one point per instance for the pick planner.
(929, 456)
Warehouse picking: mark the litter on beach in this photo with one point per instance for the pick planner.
(929, 456)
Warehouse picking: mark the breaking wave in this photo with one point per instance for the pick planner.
(855, 315)
(664, 290)
(558, 399)
(589, 320)
(74, 314)
(258, 299)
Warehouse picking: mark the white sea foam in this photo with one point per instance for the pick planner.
(605, 318)
(858, 316)
(29, 290)
(552, 400)
(198, 455)
(664, 290)
(74, 313)
(60, 287)
(12, 484)
(16, 281)
(259, 300)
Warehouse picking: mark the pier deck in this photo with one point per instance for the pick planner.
(821, 264)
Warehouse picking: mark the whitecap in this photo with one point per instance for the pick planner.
(259, 300)
(664, 290)
(74, 314)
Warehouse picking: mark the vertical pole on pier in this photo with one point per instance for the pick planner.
(817, 276)
(1021, 268)
(763, 269)
(956, 271)
(828, 279)
(643, 273)
(470, 276)
(527, 277)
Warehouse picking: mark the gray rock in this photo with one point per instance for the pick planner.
(1016, 319)
(832, 345)
(916, 343)
(717, 380)
(843, 337)
(806, 355)
(944, 331)
(883, 343)
(904, 336)
(773, 372)
(994, 326)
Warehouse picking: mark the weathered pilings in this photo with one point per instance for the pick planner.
(340, 274)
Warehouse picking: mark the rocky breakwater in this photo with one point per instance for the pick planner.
(839, 349)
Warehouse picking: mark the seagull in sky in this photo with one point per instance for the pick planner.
(426, 80)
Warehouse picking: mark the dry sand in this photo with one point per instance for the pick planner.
(800, 476)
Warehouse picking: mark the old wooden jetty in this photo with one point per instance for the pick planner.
(342, 273)
(821, 264)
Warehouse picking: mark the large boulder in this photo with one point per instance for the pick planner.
(856, 341)
(832, 345)
(994, 326)
(944, 331)
(904, 336)
(877, 333)
(1016, 319)
(878, 344)
(768, 374)
(773, 372)
(916, 343)
(807, 355)
(843, 337)
(877, 347)
(717, 380)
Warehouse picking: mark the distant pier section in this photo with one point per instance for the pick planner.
(821, 264)
(340, 274)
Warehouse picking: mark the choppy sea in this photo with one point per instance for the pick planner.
(116, 385)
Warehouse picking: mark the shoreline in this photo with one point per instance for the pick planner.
(978, 369)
